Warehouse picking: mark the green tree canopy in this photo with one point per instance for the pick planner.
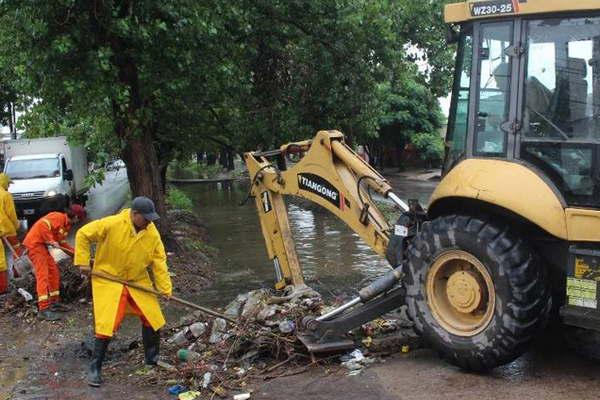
(153, 81)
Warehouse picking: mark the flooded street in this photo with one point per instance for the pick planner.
(334, 259)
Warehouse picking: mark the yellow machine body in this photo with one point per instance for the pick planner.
(517, 188)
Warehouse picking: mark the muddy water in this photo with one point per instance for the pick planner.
(335, 260)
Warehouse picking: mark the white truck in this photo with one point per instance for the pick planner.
(43, 168)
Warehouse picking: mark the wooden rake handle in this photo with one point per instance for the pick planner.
(146, 289)
(12, 250)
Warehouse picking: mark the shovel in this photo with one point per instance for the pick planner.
(22, 265)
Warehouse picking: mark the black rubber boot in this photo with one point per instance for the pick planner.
(59, 307)
(151, 340)
(49, 315)
(94, 377)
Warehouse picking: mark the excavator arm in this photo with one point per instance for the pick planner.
(329, 173)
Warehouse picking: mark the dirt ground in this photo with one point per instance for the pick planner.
(549, 371)
(48, 360)
(43, 360)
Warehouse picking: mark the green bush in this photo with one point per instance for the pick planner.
(429, 145)
(178, 200)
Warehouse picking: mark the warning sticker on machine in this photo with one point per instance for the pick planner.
(587, 303)
(581, 268)
(582, 292)
(400, 230)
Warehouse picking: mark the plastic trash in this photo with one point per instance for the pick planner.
(287, 326)
(218, 331)
(191, 395)
(182, 337)
(355, 361)
(355, 355)
(206, 379)
(198, 329)
(188, 355)
(176, 389)
(26, 295)
(241, 396)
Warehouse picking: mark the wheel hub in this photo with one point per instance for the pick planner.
(464, 291)
(460, 293)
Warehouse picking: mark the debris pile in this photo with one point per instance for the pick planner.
(216, 356)
(22, 290)
(220, 357)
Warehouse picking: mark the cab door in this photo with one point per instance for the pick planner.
(494, 89)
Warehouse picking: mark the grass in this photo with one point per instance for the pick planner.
(178, 200)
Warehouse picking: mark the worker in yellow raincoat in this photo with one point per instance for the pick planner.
(9, 225)
(127, 244)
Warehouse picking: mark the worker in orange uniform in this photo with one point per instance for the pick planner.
(50, 230)
(9, 225)
(126, 245)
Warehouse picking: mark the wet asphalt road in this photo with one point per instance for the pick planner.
(550, 371)
(107, 198)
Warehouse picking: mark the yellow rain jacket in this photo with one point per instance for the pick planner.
(8, 217)
(122, 252)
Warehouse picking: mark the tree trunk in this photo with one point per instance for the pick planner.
(145, 176)
(230, 160)
(211, 159)
(223, 158)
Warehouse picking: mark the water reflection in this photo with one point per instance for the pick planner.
(334, 259)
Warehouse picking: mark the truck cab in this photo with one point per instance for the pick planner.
(37, 178)
(42, 170)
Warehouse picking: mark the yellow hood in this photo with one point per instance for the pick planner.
(4, 181)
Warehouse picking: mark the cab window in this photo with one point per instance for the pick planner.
(494, 89)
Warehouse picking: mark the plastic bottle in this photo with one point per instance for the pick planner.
(188, 355)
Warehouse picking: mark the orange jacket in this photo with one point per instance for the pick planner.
(54, 227)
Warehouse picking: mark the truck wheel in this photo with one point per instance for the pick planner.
(475, 290)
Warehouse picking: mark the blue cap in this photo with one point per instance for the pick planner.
(145, 206)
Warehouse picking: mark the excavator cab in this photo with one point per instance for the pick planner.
(512, 231)
(527, 88)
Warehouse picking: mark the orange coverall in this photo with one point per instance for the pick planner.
(54, 227)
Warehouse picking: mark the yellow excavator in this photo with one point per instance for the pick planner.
(514, 224)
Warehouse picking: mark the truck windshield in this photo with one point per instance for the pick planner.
(31, 169)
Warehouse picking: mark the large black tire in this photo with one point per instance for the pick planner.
(522, 296)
